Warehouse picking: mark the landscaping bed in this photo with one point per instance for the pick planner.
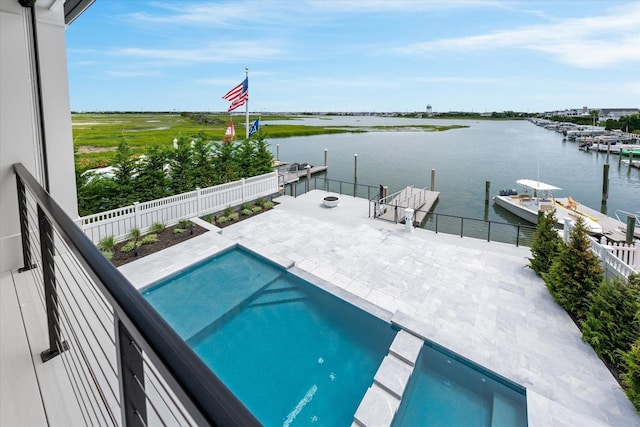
(138, 246)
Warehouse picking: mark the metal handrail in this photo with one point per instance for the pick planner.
(378, 204)
(204, 396)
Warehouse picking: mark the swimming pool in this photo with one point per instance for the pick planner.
(293, 353)
(448, 390)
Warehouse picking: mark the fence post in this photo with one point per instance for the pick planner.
(24, 227)
(131, 375)
(136, 215)
(243, 189)
(47, 251)
(565, 229)
(198, 200)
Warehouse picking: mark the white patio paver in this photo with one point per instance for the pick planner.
(476, 298)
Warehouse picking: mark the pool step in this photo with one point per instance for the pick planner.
(382, 399)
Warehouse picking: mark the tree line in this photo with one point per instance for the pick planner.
(161, 172)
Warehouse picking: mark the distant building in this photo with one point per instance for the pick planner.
(615, 113)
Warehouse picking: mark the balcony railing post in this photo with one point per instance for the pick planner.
(131, 378)
(518, 236)
(489, 232)
(47, 250)
(461, 227)
(24, 227)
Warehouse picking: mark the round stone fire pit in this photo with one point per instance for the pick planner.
(331, 201)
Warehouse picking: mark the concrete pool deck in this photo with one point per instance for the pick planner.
(476, 298)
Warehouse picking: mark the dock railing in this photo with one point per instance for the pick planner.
(171, 210)
(123, 364)
(519, 235)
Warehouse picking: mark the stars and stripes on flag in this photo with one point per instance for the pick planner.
(229, 134)
(255, 127)
(238, 95)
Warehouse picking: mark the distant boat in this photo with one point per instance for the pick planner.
(538, 197)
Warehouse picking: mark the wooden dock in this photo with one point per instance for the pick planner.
(293, 176)
(418, 199)
(610, 226)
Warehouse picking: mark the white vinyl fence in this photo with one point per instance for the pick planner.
(618, 259)
(173, 209)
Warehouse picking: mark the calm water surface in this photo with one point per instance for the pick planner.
(464, 159)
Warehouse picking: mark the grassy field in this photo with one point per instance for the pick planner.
(96, 135)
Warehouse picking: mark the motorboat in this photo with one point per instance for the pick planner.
(539, 197)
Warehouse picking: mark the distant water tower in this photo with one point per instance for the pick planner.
(429, 110)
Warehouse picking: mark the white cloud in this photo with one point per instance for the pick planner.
(226, 52)
(593, 42)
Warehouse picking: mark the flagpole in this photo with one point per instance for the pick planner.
(246, 114)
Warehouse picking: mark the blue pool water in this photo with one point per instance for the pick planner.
(294, 354)
(449, 391)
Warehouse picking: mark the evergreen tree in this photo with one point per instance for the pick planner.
(574, 273)
(246, 158)
(203, 171)
(263, 157)
(152, 182)
(612, 324)
(224, 161)
(125, 169)
(631, 376)
(181, 167)
(546, 243)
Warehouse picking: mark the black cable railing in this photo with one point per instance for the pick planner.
(125, 365)
(496, 231)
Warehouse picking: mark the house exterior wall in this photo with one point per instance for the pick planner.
(19, 125)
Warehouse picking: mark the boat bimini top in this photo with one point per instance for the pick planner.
(537, 185)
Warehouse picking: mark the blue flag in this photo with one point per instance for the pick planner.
(255, 127)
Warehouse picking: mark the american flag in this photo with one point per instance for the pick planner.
(238, 95)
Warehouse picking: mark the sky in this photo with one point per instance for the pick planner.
(353, 56)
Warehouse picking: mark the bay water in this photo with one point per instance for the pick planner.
(464, 159)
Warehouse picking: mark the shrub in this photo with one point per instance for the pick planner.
(611, 326)
(256, 209)
(108, 255)
(233, 216)
(260, 201)
(128, 247)
(209, 218)
(246, 211)
(106, 244)
(149, 238)
(546, 244)
(178, 230)
(184, 224)
(267, 205)
(158, 227)
(228, 210)
(575, 273)
(222, 219)
(246, 205)
(134, 234)
(631, 376)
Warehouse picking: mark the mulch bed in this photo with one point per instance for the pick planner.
(165, 239)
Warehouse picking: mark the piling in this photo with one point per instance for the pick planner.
(487, 191)
(433, 180)
(355, 166)
(631, 225)
(605, 183)
(278, 152)
(325, 156)
(308, 178)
